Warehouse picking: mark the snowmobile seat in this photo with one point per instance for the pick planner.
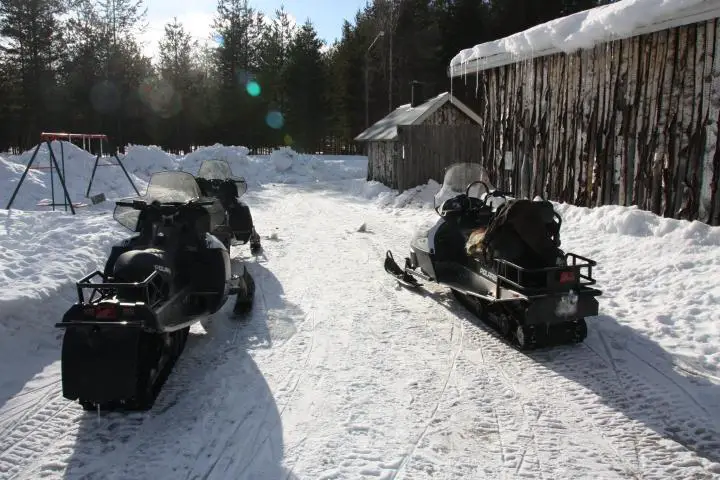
(524, 233)
(241, 222)
(205, 186)
(135, 266)
(547, 214)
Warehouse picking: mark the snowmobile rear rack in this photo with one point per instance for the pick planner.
(510, 282)
(105, 289)
(555, 279)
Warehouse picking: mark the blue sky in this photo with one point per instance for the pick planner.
(197, 15)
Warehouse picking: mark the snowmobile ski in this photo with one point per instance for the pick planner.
(402, 276)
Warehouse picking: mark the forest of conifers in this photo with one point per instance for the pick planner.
(259, 81)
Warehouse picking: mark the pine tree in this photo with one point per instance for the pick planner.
(105, 67)
(274, 48)
(174, 90)
(119, 21)
(305, 80)
(32, 42)
(238, 29)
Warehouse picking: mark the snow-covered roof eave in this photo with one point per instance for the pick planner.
(583, 30)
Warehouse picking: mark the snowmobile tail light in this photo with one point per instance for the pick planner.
(105, 312)
(567, 277)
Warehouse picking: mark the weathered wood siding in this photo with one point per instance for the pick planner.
(448, 114)
(430, 149)
(381, 162)
(425, 149)
(630, 122)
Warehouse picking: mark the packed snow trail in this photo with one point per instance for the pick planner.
(341, 374)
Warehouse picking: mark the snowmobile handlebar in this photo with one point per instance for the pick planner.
(471, 184)
(142, 204)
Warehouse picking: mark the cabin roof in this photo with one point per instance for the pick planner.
(385, 129)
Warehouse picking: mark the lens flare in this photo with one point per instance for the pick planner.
(275, 120)
(105, 97)
(253, 88)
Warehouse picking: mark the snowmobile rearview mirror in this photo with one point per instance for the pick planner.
(241, 186)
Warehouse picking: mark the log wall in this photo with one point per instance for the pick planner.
(629, 122)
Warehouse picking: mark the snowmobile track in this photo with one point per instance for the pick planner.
(453, 363)
(652, 411)
(541, 415)
(688, 422)
(29, 439)
(20, 411)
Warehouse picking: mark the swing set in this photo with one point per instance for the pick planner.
(59, 168)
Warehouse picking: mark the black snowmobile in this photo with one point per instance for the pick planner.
(234, 221)
(500, 256)
(123, 339)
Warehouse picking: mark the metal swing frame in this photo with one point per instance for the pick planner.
(47, 138)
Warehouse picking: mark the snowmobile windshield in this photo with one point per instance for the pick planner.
(458, 177)
(172, 186)
(221, 170)
(215, 170)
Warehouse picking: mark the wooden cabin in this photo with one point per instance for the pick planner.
(410, 145)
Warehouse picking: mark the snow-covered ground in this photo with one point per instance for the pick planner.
(341, 374)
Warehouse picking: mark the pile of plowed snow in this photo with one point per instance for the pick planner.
(284, 165)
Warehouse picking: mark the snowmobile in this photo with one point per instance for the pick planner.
(501, 258)
(122, 340)
(234, 222)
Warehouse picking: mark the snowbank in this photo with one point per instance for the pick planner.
(33, 189)
(235, 156)
(290, 167)
(284, 165)
(659, 276)
(580, 30)
(422, 196)
(631, 221)
(42, 254)
(143, 160)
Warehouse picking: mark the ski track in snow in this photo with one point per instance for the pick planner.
(338, 373)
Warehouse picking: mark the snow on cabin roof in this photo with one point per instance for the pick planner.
(582, 30)
(386, 128)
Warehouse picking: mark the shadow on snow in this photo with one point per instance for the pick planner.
(629, 373)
